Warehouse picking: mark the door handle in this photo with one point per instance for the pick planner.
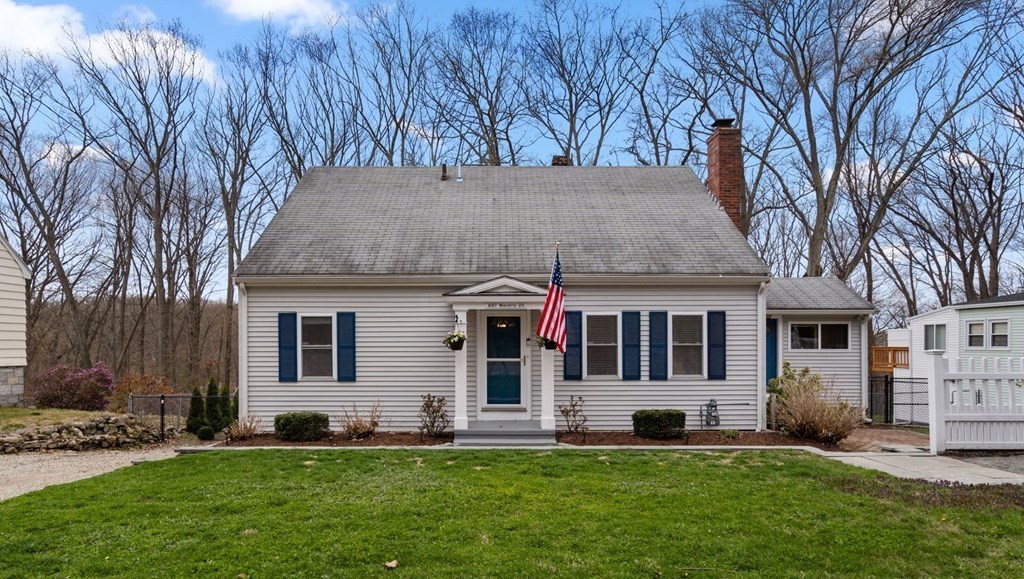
(524, 359)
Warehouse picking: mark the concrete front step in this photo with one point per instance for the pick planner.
(501, 437)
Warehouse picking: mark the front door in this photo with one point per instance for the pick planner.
(771, 358)
(504, 360)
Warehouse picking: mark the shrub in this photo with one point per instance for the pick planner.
(227, 409)
(68, 388)
(244, 428)
(575, 419)
(729, 433)
(136, 384)
(205, 433)
(806, 407)
(433, 415)
(302, 426)
(196, 413)
(358, 426)
(213, 414)
(659, 423)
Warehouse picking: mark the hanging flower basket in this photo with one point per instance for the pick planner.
(546, 344)
(455, 340)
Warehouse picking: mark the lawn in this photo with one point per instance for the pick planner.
(486, 513)
(12, 419)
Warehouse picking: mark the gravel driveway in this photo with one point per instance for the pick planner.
(1007, 462)
(31, 471)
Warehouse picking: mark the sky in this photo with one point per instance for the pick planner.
(39, 24)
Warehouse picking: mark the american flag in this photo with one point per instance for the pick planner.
(552, 317)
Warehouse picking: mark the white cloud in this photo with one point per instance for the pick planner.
(298, 15)
(106, 44)
(39, 29)
(136, 14)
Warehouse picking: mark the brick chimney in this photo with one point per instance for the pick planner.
(561, 161)
(725, 170)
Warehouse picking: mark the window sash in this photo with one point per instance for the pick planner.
(935, 337)
(819, 336)
(602, 341)
(1000, 338)
(803, 336)
(975, 334)
(834, 336)
(688, 345)
(316, 345)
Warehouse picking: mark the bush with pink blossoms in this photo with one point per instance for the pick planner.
(73, 389)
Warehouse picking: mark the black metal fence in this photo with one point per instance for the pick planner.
(165, 410)
(898, 400)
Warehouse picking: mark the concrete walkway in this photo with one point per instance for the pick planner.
(927, 467)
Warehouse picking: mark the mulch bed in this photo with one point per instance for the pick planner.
(696, 438)
(379, 439)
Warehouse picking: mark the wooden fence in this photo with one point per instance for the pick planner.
(976, 404)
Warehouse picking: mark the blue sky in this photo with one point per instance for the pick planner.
(38, 24)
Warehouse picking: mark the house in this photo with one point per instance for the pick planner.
(13, 355)
(345, 298)
(988, 329)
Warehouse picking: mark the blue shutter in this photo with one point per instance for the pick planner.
(573, 369)
(659, 346)
(630, 345)
(346, 347)
(287, 353)
(716, 345)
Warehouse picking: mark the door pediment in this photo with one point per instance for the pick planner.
(500, 286)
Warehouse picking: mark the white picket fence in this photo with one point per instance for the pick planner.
(976, 404)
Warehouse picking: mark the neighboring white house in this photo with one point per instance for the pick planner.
(991, 328)
(13, 274)
(348, 293)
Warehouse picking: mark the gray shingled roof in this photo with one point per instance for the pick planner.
(500, 220)
(813, 293)
(995, 300)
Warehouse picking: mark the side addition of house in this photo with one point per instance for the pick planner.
(13, 355)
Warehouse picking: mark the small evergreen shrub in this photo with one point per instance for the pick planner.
(729, 433)
(227, 410)
(302, 426)
(196, 413)
(73, 389)
(205, 433)
(659, 423)
(213, 414)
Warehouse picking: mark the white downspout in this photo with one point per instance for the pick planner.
(762, 312)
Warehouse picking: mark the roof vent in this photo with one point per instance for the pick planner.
(561, 161)
(458, 173)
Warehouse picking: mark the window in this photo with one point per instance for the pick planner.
(688, 345)
(999, 334)
(602, 345)
(935, 337)
(819, 336)
(803, 336)
(975, 334)
(317, 347)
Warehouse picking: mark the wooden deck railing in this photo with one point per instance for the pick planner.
(885, 358)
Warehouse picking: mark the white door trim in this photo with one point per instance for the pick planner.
(496, 412)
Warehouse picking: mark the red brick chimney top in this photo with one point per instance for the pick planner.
(725, 170)
(561, 161)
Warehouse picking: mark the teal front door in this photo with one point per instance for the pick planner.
(771, 341)
(504, 353)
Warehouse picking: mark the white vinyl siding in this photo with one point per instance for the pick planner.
(400, 357)
(842, 367)
(920, 359)
(12, 312)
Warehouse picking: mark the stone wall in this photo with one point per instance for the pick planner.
(103, 432)
(12, 386)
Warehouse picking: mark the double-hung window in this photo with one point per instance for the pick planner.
(976, 334)
(998, 334)
(687, 345)
(935, 337)
(602, 341)
(316, 339)
(804, 336)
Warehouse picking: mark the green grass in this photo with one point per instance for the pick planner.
(486, 513)
(12, 419)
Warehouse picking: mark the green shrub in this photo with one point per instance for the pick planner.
(729, 433)
(213, 414)
(196, 413)
(227, 408)
(205, 433)
(302, 426)
(659, 423)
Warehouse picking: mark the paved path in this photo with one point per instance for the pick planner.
(31, 471)
(927, 467)
(872, 439)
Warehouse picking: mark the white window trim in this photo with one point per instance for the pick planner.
(334, 346)
(618, 339)
(849, 336)
(925, 337)
(986, 334)
(704, 346)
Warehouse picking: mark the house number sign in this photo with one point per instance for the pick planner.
(506, 306)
